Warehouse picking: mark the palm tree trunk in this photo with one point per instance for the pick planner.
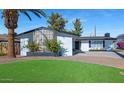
(11, 47)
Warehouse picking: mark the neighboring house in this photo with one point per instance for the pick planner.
(70, 42)
(4, 45)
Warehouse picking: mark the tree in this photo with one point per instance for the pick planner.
(77, 27)
(11, 21)
(56, 22)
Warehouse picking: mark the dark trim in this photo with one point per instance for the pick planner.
(7, 41)
(103, 43)
(45, 28)
(97, 38)
(89, 44)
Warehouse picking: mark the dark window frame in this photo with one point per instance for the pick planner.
(103, 43)
(89, 44)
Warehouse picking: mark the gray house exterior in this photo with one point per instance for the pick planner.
(70, 42)
(96, 43)
(39, 35)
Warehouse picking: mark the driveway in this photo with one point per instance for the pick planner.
(101, 54)
(102, 58)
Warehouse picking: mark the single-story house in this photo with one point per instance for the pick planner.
(70, 42)
(38, 35)
(4, 45)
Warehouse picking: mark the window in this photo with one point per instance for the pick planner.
(96, 44)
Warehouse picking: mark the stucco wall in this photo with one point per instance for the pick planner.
(23, 48)
(66, 45)
(85, 45)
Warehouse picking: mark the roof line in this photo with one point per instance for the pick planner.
(47, 29)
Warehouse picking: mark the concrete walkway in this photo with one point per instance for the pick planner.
(114, 61)
(101, 54)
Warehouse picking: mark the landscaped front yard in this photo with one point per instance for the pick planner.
(58, 71)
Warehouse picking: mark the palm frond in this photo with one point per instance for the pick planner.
(36, 12)
(41, 12)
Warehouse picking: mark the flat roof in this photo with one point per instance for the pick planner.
(96, 38)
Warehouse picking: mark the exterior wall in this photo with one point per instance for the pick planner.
(66, 45)
(96, 45)
(40, 36)
(108, 43)
(85, 45)
(24, 41)
(23, 48)
(74, 37)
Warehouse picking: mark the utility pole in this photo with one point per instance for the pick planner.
(95, 30)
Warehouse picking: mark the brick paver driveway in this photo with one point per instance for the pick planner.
(103, 58)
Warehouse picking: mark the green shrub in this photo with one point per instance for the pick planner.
(53, 46)
(33, 46)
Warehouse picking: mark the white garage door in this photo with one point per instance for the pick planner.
(66, 46)
(84, 45)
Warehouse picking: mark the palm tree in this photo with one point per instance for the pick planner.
(11, 21)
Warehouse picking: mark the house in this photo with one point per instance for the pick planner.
(38, 35)
(4, 45)
(70, 42)
(96, 43)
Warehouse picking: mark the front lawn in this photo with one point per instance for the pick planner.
(58, 71)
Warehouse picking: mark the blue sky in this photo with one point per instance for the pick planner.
(111, 21)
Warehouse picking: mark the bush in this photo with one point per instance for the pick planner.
(53, 46)
(33, 46)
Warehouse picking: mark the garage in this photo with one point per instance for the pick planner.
(85, 45)
(66, 46)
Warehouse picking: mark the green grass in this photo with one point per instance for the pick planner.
(58, 71)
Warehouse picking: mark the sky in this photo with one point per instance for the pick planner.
(106, 21)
